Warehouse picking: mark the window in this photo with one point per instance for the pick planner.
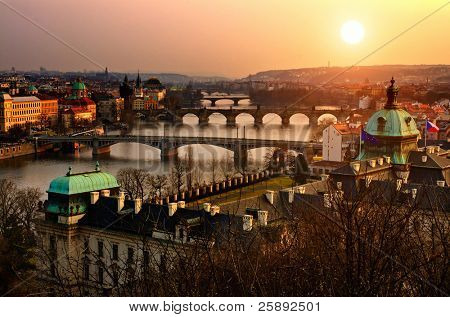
(115, 277)
(115, 252)
(100, 275)
(100, 248)
(146, 259)
(130, 255)
(162, 264)
(53, 245)
(86, 271)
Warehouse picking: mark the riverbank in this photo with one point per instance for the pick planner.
(11, 151)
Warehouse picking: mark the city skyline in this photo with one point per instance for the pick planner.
(231, 40)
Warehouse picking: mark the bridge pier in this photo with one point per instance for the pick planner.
(231, 121)
(213, 102)
(203, 120)
(240, 157)
(99, 148)
(258, 120)
(168, 154)
(285, 121)
(236, 102)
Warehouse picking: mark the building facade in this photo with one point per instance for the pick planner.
(18, 111)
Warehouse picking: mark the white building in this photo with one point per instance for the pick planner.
(337, 138)
(364, 102)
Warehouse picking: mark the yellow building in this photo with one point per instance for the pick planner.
(49, 110)
(18, 111)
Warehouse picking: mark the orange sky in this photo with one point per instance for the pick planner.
(219, 37)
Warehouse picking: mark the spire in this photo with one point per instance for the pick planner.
(138, 80)
(69, 172)
(125, 80)
(391, 93)
(97, 166)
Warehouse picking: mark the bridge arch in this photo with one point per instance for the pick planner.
(271, 118)
(299, 119)
(203, 152)
(247, 101)
(245, 118)
(326, 118)
(217, 118)
(135, 150)
(190, 117)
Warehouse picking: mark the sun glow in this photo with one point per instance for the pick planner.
(352, 32)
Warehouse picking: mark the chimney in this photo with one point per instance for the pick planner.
(269, 196)
(356, 166)
(372, 163)
(181, 204)
(262, 217)
(399, 184)
(214, 210)
(120, 201)
(94, 197)
(414, 193)
(291, 195)
(323, 177)
(247, 222)
(172, 207)
(302, 189)
(339, 185)
(388, 159)
(380, 161)
(137, 205)
(368, 181)
(206, 207)
(438, 148)
(441, 183)
(424, 158)
(105, 192)
(326, 200)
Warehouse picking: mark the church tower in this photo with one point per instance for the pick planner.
(394, 131)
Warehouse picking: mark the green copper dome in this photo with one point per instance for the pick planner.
(393, 129)
(82, 183)
(391, 122)
(78, 85)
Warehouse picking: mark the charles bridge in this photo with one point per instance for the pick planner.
(231, 113)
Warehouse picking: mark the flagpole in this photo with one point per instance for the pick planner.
(360, 141)
(426, 123)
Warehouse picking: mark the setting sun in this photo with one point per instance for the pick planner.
(352, 32)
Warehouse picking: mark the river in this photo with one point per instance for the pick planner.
(39, 171)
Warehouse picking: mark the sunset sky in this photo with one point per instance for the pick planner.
(218, 37)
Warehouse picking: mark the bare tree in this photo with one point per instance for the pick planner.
(18, 211)
(177, 176)
(159, 184)
(226, 165)
(135, 182)
(213, 166)
(189, 167)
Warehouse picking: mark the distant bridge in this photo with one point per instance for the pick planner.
(234, 98)
(170, 144)
(257, 113)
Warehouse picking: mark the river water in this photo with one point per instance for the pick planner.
(39, 171)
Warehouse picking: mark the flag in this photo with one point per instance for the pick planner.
(368, 137)
(431, 127)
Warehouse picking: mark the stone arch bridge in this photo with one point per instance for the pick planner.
(169, 145)
(231, 113)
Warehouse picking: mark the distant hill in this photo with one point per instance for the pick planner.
(172, 78)
(404, 73)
